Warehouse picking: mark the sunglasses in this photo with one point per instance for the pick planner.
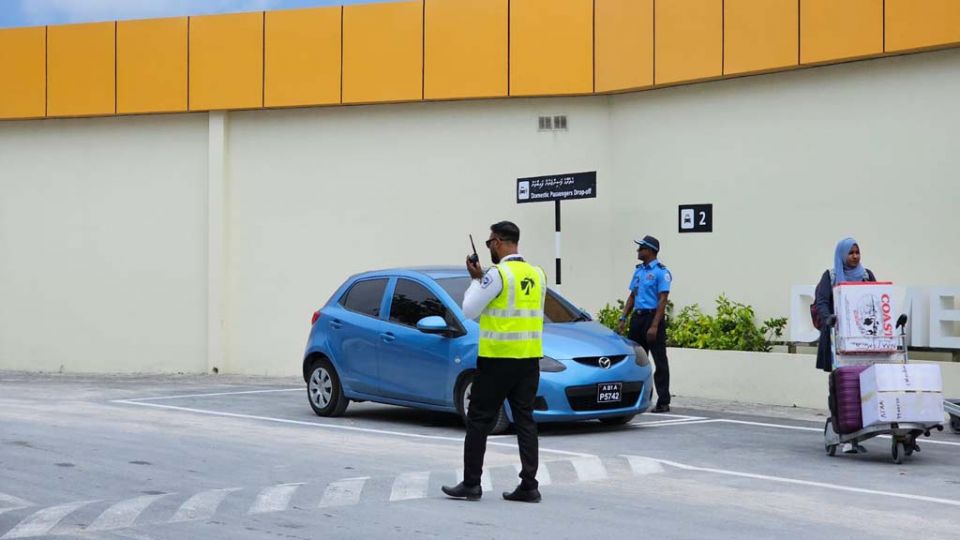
(491, 240)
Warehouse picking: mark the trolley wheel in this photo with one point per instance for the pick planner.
(897, 451)
(831, 449)
(955, 423)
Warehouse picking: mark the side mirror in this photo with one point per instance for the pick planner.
(433, 325)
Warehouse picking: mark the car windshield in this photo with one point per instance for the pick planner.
(556, 310)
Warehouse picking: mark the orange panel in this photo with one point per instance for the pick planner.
(302, 54)
(551, 47)
(689, 40)
(624, 44)
(466, 48)
(80, 69)
(152, 65)
(383, 52)
(759, 35)
(839, 30)
(914, 24)
(23, 65)
(226, 61)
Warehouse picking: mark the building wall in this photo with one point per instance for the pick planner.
(103, 222)
(103, 244)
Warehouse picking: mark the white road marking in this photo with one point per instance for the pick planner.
(14, 501)
(42, 521)
(818, 430)
(343, 492)
(543, 473)
(203, 505)
(485, 482)
(186, 396)
(681, 416)
(410, 486)
(274, 498)
(123, 514)
(669, 422)
(642, 466)
(458, 440)
(589, 469)
(784, 480)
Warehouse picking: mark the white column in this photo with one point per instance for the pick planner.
(216, 240)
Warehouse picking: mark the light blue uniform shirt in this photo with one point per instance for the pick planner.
(649, 280)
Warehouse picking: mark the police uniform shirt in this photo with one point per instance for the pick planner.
(482, 291)
(649, 280)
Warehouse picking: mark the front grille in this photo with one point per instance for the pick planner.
(594, 361)
(584, 398)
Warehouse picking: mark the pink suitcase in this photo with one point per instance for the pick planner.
(845, 399)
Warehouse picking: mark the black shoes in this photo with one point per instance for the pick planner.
(523, 495)
(461, 491)
(661, 408)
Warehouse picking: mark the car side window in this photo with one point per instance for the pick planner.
(365, 297)
(412, 302)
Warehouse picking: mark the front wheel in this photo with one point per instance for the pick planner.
(463, 406)
(897, 451)
(324, 390)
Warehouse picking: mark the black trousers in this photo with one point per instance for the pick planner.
(639, 324)
(496, 379)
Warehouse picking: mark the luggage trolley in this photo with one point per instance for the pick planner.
(952, 406)
(903, 435)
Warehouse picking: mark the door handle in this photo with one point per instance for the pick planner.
(388, 337)
(336, 324)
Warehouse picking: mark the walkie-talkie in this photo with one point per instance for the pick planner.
(474, 258)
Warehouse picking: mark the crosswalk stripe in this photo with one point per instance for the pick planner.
(641, 465)
(40, 523)
(203, 505)
(589, 469)
(274, 498)
(543, 473)
(13, 501)
(343, 492)
(410, 486)
(486, 483)
(123, 514)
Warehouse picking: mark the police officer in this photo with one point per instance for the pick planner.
(647, 302)
(509, 298)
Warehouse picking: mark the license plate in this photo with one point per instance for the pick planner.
(609, 392)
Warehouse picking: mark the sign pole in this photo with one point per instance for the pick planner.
(557, 229)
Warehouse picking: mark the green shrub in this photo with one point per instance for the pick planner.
(731, 329)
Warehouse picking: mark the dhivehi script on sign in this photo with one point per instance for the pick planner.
(559, 187)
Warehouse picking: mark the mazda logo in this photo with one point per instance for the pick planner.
(604, 362)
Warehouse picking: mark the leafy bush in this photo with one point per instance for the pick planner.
(731, 329)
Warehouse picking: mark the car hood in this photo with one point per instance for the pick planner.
(573, 340)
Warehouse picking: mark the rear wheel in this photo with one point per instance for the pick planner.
(897, 451)
(831, 449)
(463, 405)
(955, 423)
(617, 420)
(324, 390)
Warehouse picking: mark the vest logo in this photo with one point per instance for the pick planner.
(527, 285)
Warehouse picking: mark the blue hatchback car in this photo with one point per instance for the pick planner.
(399, 337)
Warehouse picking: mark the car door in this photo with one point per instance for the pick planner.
(415, 366)
(355, 325)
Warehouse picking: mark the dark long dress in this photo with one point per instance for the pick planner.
(824, 304)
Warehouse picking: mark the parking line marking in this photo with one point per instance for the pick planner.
(410, 486)
(42, 521)
(669, 422)
(819, 430)
(543, 473)
(642, 466)
(333, 426)
(589, 469)
(185, 396)
(123, 514)
(343, 492)
(784, 480)
(274, 498)
(203, 505)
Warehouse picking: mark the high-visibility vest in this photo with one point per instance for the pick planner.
(511, 326)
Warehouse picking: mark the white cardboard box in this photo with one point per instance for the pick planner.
(886, 407)
(865, 317)
(901, 378)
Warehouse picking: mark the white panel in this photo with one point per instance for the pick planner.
(801, 325)
(945, 317)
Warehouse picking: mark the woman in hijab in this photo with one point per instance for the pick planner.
(846, 267)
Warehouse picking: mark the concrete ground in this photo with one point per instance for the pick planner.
(173, 457)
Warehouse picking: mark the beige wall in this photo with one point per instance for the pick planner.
(104, 222)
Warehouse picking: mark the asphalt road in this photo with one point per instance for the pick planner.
(173, 457)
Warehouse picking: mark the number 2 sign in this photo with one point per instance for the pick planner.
(696, 218)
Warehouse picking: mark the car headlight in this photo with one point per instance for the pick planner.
(550, 365)
(639, 355)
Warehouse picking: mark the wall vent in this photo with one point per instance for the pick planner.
(553, 123)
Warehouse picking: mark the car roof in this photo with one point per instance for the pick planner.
(433, 272)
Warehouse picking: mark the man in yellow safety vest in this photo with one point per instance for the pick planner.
(509, 299)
